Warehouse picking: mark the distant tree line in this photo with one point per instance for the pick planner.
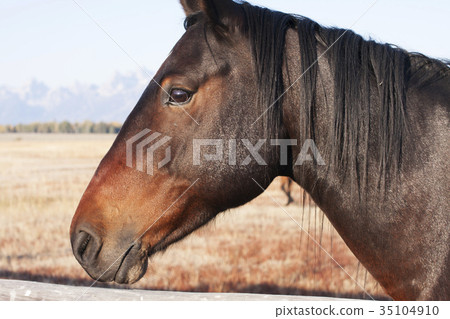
(63, 127)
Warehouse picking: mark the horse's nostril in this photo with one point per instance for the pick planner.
(84, 242)
(86, 247)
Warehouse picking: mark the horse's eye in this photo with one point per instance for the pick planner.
(179, 96)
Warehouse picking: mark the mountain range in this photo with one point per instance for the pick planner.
(36, 102)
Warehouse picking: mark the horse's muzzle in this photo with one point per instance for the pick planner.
(103, 263)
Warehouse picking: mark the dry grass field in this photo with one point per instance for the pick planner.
(256, 248)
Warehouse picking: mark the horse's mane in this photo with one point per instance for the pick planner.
(357, 64)
(361, 68)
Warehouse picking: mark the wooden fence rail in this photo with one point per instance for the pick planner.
(27, 290)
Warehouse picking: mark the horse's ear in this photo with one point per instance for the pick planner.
(215, 10)
(191, 6)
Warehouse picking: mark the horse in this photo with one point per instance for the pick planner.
(256, 85)
(286, 188)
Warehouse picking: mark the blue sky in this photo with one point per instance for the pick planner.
(55, 42)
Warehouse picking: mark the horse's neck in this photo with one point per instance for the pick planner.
(315, 179)
(377, 235)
